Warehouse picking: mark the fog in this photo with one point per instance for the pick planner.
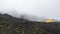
(39, 8)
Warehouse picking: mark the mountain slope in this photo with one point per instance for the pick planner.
(12, 25)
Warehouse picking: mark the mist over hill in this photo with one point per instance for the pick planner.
(27, 16)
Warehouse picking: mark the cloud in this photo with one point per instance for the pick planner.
(46, 8)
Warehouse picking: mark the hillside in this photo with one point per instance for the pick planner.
(12, 25)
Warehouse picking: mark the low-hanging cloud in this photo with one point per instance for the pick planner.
(39, 8)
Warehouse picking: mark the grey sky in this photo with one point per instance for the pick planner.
(46, 8)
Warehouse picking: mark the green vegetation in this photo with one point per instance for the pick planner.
(20, 28)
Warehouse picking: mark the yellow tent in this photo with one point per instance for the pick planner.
(49, 20)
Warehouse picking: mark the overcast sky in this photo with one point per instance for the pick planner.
(46, 8)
